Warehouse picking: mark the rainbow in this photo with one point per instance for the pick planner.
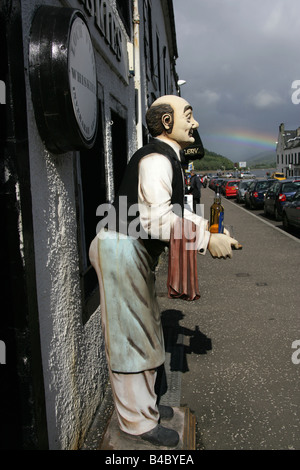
(255, 139)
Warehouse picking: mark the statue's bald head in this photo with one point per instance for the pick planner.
(164, 105)
(172, 117)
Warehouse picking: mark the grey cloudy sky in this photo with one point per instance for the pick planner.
(239, 59)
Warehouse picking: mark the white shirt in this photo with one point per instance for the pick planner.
(154, 198)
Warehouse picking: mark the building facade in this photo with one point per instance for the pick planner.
(288, 151)
(79, 76)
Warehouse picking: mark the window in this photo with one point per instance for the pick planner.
(125, 12)
(262, 185)
(90, 194)
(290, 187)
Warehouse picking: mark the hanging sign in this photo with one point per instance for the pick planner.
(62, 71)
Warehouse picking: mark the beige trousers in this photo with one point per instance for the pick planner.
(135, 401)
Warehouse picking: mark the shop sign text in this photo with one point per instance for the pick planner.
(105, 23)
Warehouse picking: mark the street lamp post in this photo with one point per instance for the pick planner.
(179, 84)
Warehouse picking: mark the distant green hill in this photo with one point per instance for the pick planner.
(263, 160)
(213, 161)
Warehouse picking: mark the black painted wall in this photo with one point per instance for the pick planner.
(22, 403)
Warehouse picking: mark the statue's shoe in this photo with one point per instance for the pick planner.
(161, 436)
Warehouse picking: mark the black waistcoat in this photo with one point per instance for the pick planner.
(129, 188)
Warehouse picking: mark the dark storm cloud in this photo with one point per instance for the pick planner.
(239, 59)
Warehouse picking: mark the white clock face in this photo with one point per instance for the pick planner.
(83, 78)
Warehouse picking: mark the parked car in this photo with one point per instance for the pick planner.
(242, 188)
(291, 212)
(278, 176)
(231, 188)
(277, 195)
(254, 196)
(214, 182)
(247, 175)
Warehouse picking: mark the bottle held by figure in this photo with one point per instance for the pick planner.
(217, 214)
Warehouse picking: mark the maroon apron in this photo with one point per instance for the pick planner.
(182, 271)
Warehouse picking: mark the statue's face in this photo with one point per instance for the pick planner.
(184, 121)
(184, 125)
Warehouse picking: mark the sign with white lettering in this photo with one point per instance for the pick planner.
(83, 78)
(63, 79)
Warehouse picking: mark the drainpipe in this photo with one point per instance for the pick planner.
(137, 73)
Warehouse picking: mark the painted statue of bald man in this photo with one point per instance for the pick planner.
(125, 264)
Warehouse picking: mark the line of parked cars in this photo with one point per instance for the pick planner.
(279, 198)
(278, 195)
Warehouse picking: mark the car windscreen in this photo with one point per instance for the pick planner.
(261, 185)
(290, 187)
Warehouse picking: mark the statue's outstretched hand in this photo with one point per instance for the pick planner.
(220, 245)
